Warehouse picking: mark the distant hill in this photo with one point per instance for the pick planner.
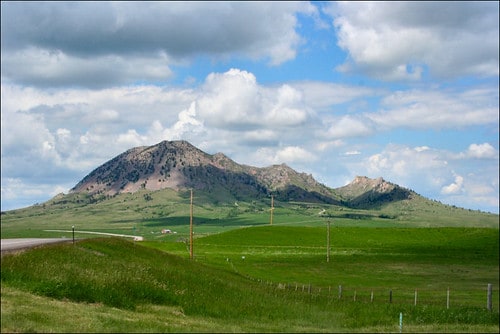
(148, 187)
(179, 165)
(366, 193)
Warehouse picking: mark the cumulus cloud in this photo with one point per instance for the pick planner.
(482, 151)
(235, 99)
(423, 109)
(26, 194)
(96, 44)
(455, 187)
(289, 154)
(41, 67)
(321, 96)
(349, 126)
(399, 41)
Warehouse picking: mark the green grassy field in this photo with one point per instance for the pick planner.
(248, 276)
(146, 214)
(283, 283)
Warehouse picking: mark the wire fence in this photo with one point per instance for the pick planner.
(477, 296)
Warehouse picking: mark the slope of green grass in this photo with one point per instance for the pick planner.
(124, 275)
(380, 259)
(146, 213)
(120, 282)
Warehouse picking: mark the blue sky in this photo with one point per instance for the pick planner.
(408, 91)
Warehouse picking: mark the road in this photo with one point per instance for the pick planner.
(9, 245)
(17, 244)
(135, 237)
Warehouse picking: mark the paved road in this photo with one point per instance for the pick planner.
(16, 244)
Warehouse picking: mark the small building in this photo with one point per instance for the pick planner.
(166, 231)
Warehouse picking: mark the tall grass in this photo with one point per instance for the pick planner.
(224, 295)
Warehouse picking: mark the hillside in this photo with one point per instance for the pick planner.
(366, 193)
(179, 165)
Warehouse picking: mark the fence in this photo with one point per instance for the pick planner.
(477, 296)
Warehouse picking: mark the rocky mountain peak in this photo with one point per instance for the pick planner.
(364, 192)
(364, 183)
(180, 165)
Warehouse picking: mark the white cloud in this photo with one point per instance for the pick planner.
(289, 154)
(482, 151)
(352, 153)
(399, 40)
(348, 126)
(293, 154)
(15, 190)
(322, 95)
(97, 44)
(129, 139)
(437, 109)
(34, 66)
(326, 145)
(455, 187)
(235, 99)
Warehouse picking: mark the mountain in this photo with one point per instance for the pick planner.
(148, 187)
(366, 193)
(179, 165)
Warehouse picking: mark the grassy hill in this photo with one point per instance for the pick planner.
(265, 279)
(146, 213)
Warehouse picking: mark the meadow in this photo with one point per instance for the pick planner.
(248, 275)
(264, 278)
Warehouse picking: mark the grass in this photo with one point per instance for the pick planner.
(135, 215)
(124, 280)
(248, 276)
(363, 257)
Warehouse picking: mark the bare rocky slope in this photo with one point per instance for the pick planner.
(179, 165)
(367, 193)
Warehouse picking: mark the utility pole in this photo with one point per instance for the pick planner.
(328, 242)
(191, 227)
(272, 208)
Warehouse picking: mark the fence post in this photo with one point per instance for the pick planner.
(415, 297)
(309, 288)
(488, 301)
(448, 298)
(340, 291)
(371, 297)
(354, 295)
(390, 296)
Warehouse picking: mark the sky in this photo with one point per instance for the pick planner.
(407, 91)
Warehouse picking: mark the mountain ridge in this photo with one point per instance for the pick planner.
(179, 165)
(151, 185)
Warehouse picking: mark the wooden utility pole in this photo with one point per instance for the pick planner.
(272, 208)
(191, 227)
(328, 242)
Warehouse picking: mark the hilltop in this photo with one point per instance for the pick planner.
(366, 193)
(179, 165)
